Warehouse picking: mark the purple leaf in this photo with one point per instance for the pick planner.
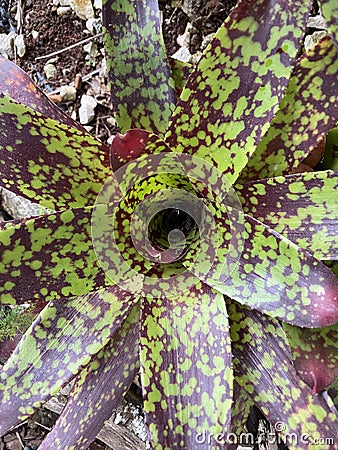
(185, 367)
(98, 389)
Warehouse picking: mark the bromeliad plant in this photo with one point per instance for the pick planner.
(209, 303)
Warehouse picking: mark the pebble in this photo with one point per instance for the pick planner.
(91, 49)
(7, 43)
(20, 46)
(87, 109)
(63, 10)
(68, 93)
(94, 25)
(50, 71)
(312, 39)
(182, 54)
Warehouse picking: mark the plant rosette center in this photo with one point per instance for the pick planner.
(160, 221)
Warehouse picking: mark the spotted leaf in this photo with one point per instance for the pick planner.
(330, 13)
(49, 162)
(233, 94)
(49, 256)
(263, 367)
(142, 89)
(267, 272)
(303, 207)
(60, 342)
(98, 390)
(185, 367)
(15, 83)
(315, 354)
(307, 112)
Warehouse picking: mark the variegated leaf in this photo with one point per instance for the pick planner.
(49, 256)
(185, 367)
(315, 354)
(330, 13)
(98, 390)
(142, 89)
(15, 83)
(60, 342)
(268, 272)
(263, 367)
(302, 207)
(307, 112)
(233, 94)
(49, 162)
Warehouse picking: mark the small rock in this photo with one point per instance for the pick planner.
(20, 46)
(63, 10)
(94, 25)
(50, 71)
(97, 4)
(35, 34)
(82, 8)
(182, 54)
(91, 49)
(111, 121)
(316, 22)
(68, 93)
(312, 39)
(87, 109)
(7, 43)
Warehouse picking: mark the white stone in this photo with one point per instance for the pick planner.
(312, 39)
(68, 93)
(182, 54)
(83, 9)
(63, 10)
(87, 109)
(91, 49)
(97, 4)
(20, 45)
(50, 71)
(316, 22)
(7, 43)
(94, 25)
(35, 34)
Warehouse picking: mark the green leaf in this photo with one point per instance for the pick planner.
(307, 112)
(315, 354)
(98, 389)
(233, 94)
(49, 162)
(142, 89)
(60, 342)
(263, 367)
(15, 83)
(260, 268)
(302, 207)
(49, 256)
(185, 367)
(329, 10)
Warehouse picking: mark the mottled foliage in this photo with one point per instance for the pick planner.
(142, 89)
